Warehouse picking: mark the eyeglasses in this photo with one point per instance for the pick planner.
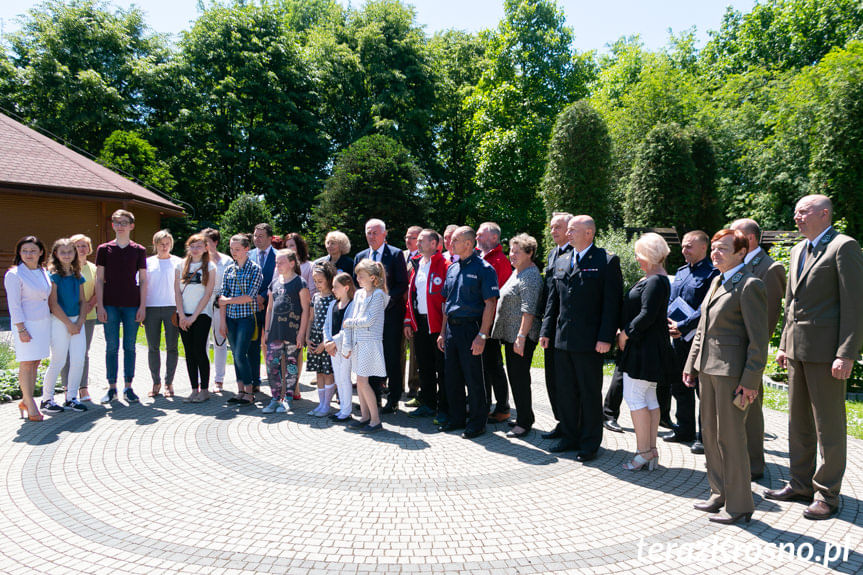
(121, 223)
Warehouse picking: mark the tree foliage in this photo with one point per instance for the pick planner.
(131, 154)
(241, 217)
(375, 177)
(578, 172)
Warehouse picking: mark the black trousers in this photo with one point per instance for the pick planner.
(495, 376)
(518, 370)
(195, 344)
(550, 376)
(393, 360)
(430, 365)
(614, 395)
(464, 369)
(579, 396)
(254, 351)
(684, 396)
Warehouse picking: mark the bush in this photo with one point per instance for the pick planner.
(242, 216)
(614, 240)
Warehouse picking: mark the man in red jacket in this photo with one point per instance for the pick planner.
(488, 240)
(423, 317)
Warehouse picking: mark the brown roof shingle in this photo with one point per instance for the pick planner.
(29, 159)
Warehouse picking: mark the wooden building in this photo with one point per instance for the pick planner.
(50, 191)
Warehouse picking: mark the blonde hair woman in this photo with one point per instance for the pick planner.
(161, 306)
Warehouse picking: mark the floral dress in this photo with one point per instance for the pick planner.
(319, 362)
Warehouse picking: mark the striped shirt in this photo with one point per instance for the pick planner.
(239, 281)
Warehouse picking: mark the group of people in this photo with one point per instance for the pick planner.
(462, 305)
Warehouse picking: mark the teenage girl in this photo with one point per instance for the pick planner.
(317, 358)
(67, 335)
(285, 328)
(365, 344)
(343, 289)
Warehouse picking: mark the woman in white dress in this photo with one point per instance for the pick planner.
(27, 290)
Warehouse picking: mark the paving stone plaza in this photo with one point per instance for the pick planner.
(170, 487)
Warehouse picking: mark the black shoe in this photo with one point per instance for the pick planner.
(449, 427)
(555, 433)
(234, 399)
(585, 456)
(48, 406)
(335, 418)
(612, 425)
(391, 407)
(356, 424)
(697, 448)
(563, 445)
(666, 423)
(75, 405)
(471, 433)
(512, 433)
(674, 438)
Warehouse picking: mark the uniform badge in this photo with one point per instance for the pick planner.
(437, 281)
(736, 277)
(827, 237)
(757, 260)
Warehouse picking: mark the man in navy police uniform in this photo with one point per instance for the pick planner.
(470, 293)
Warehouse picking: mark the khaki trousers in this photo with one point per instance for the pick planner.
(816, 420)
(723, 432)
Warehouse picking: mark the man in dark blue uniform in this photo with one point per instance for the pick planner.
(582, 314)
(691, 283)
(470, 293)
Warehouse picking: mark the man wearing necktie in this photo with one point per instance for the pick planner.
(820, 342)
(582, 314)
(557, 229)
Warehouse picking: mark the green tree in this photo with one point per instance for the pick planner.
(578, 173)
(530, 74)
(244, 117)
(662, 189)
(131, 154)
(80, 70)
(711, 211)
(241, 217)
(375, 177)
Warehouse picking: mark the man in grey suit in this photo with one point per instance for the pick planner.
(771, 272)
(820, 342)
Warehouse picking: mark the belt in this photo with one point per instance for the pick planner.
(463, 320)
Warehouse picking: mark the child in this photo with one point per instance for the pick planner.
(67, 337)
(287, 320)
(334, 337)
(121, 297)
(318, 360)
(194, 281)
(365, 345)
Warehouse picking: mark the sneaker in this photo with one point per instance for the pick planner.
(271, 407)
(49, 406)
(130, 395)
(110, 396)
(415, 402)
(440, 420)
(75, 405)
(284, 406)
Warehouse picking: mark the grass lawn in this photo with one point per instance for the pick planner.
(778, 399)
(142, 340)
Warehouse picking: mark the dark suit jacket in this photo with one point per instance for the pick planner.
(267, 269)
(584, 301)
(397, 281)
(823, 304)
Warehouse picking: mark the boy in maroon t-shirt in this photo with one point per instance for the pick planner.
(121, 299)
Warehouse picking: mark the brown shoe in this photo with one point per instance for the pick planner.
(820, 510)
(498, 417)
(786, 494)
(726, 518)
(712, 505)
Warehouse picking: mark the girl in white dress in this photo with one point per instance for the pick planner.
(364, 343)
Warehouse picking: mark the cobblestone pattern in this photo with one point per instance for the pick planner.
(167, 487)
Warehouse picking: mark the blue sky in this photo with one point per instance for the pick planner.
(596, 22)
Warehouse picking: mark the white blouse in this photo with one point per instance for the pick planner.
(160, 281)
(27, 293)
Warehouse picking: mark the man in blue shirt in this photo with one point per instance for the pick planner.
(691, 283)
(470, 293)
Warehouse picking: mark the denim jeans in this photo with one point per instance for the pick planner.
(116, 316)
(240, 330)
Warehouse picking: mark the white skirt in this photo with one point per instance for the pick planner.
(367, 359)
(39, 346)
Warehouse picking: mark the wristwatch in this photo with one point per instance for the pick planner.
(482, 335)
